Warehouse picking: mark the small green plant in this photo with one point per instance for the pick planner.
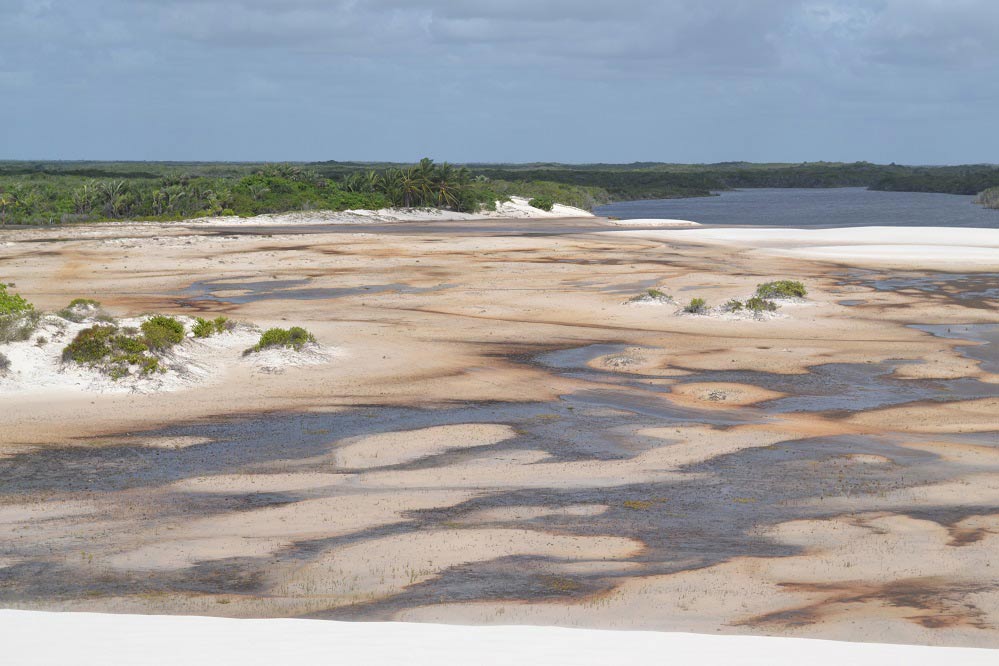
(204, 328)
(18, 317)
(84, 302)
(781, 289)
(162, 332)
(760, 305)
(295, 337)
(542, 203)
(696, 306)
(657, 294)
(734, 305)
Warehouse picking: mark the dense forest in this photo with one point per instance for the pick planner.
(61, 192)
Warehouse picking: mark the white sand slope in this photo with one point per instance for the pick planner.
(904, 247)
(85, 639)
(650, 222)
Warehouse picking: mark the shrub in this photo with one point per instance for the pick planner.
(781, 289)
(296, 337)
(733, 305)
(696, 306)
(13, 304)
(4, 364)
(759, 305)
(203, 328)
(162, 332)
(542, 203)
(111, 350)
(80, 309)
(656, 293)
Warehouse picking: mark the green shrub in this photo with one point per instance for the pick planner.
(84, 302)
(781, 289)
(542, 203)
(656, 293)
(162, 332)
(80, 309)
(733, 305)
(204, 328)
(296, 337)
(759, 305)
(696, 306)
(111, 350)
(13, 304)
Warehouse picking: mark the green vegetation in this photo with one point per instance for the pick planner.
(80, 309)
(203, 328)
(759, 305)
(295, 338)
(696, 306)
(116, 351)
(989, 198)
(112, 350)
(18, 318)
(733, 305)
(542, 203)
(657, 294)
(781, 289)
(161, 332)
(64, 192)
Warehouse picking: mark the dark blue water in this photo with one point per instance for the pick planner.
(838, 207)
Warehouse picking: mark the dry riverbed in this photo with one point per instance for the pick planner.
(491, 430)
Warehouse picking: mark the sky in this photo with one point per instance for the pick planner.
(906, 81)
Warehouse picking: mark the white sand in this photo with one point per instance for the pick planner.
(883, 246)
(86, 639)
(516, 208)
(652, 222)
(397, 447)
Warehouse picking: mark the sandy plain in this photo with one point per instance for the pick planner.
(501, 437)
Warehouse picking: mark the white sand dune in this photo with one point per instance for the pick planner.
(908, 247)
(86, 639)
(650, 222)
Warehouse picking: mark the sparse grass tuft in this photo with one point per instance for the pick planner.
(80, 309)
(781, 289)
(696, 306)
(760, 305)
(295, 338)
(734, 305)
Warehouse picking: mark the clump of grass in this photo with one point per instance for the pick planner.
(652, 295)
(781, 289)
(80, 309)
(760, 305)
(117, 351)
(162, 332)
(734, 305)
(18, 317)
(295, 338)
(4, 364)
(204, 328)
(696, 306)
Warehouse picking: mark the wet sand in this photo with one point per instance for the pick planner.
(502, 439)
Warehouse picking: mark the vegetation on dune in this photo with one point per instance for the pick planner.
(204, 328)
(542, 203)
(734, 305)
(989, 198)
(696, 306)
(18, 317)
(295, 338)
(80, 309)
(781, 289)
(4, 364)
(118, 352)
(759, 305)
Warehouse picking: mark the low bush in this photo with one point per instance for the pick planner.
(759, 305)
(80, 309)
(162, 332)
(781, 289)
(204, 328)
(111, 350)
(696, 306)
(295, 337)
(4, 364)
(734, 305)
(18, 317)
(657, 294)
(542, 203)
